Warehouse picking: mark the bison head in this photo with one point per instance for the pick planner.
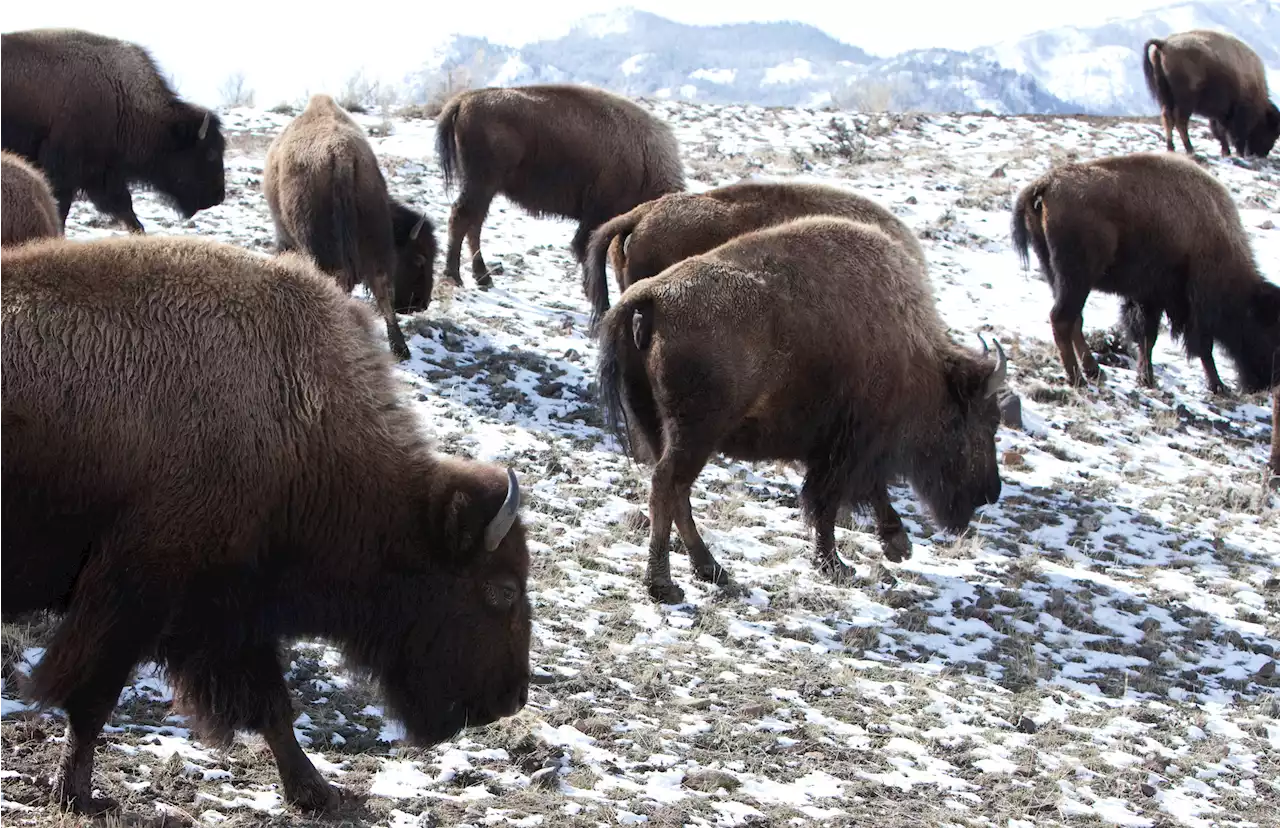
(189, 172)
(1265, 132)
(415, 241)
(956, 469)
(463, 659)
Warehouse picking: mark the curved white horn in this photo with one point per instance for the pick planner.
(986, 349)
(626, 244)
(996, 380)
(417, 228)
(506, 517)
(204, 127)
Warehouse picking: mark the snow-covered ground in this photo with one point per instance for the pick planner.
(1099, 649)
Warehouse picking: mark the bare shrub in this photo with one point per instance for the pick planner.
(235, 91)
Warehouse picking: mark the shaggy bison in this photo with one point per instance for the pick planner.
(816, 341)
(27, 210)
(328, 199)
(204, 458)
(659, 233)
(95, 115)
(568, 151)
(1209, 73)
(1161, 232)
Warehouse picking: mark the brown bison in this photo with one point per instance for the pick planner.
(570, 151)
(659, 233)
(1163, 234)
(328, 199)
(1208, 73)
(816, 341)
(204, 458)
(27, 210)
(95, 115)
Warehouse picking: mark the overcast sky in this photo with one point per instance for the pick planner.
(286, 50)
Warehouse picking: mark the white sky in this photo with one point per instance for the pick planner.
(289, 49)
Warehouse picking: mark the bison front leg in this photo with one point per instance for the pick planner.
(244, 689)
(380, 287)
(1275, 435)
(893, 535)
(820, 497)
(114, 200)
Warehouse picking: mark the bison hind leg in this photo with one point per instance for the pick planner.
(243, 689)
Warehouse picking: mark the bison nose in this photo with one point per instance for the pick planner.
(993, 493)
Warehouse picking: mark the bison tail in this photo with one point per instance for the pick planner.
(594, 281)
(345, 219)
(1026, 220)
(1153, 71)
(446, 143)
(626, 393)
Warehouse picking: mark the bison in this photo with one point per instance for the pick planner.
(816, 341)
(203, 458)
(570, 151)
(328, 199)
(1162, 233)
(95, 115)
(27, 210)
(1213, 74)
(659, 233)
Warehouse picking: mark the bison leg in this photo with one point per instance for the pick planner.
(109, 624)
(1219, 131)
(114, 200)
(1065, 316)
(469, 210)
(479, 270)
(893, 536)
(705, 567)
(1181, 120)
(1143, 322)
(380, 287)
(673, 476)
(245, 690)
(1166, 121)
(1216, 386)
(1275, 434)
(1087, 360)
(821, 496)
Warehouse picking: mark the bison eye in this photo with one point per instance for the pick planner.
(501, 593)
(419, 260)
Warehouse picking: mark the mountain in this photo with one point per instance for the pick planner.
(1094, 70)
(1099, 68)
(770, 64)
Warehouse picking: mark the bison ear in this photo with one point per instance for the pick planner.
(477, 516)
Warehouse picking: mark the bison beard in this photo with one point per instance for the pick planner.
(274, 489)
(718, 355)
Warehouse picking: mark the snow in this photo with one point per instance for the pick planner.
(634, 64)
(720, 76)
(794, 70)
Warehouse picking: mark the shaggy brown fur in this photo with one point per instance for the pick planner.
(659, 233)
(328, 198)
(815, 341)
(204, 458)
(1275, 431)
(27, 210)
(1209, 73)
(95, 115)
(1161, 232)
(568, 151)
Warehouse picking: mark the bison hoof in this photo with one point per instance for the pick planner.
(312, 794)
(1218, 389)
(897, 548)
(712, 573)
(1093, 372)
(69, 798)
(665, 591)
(454, 277)
(837, 570)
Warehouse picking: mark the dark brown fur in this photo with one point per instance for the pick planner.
(27, 210)
(203, 459)
(95, 115)
(569, 151)
(1209, 73)
(328, 199)
(1161, 232)
(659, 233)
(815, 341)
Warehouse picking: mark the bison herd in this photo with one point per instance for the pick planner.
(204, 455)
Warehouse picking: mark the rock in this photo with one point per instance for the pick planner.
(1010, 409)
(1011, 458)
(1267, 225)
(1147, 788)
(998, 172)
(1027, 724)
(1267, 670)
(911, 200)
(547, 779)
(710, 781)
(636, 520)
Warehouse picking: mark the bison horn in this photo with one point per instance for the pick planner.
(996, 381)
(626, 245)
(204, 127)
(417, 228)
(986, 349)
(506, 517)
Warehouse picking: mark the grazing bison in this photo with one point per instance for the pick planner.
(659, 233)
(204, 458)
(1163, 234)
(568, 151)
(816, 341)
(328, 198)
(96, 116)
(27, 210)
(1208, 73)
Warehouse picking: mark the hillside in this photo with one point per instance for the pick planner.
(1100, 648)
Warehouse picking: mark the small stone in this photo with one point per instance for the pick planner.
(1267, 225)
(1011, 458)
(710, 781)
(636, 520)
(1010, 410)
(1267, 670)
(1147, 788)
(1027, 724)
(547, 779)
(911, 200)
(999, 172)
(753, 711)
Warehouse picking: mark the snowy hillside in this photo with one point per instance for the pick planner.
(1099, 649)
(1100, 68)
